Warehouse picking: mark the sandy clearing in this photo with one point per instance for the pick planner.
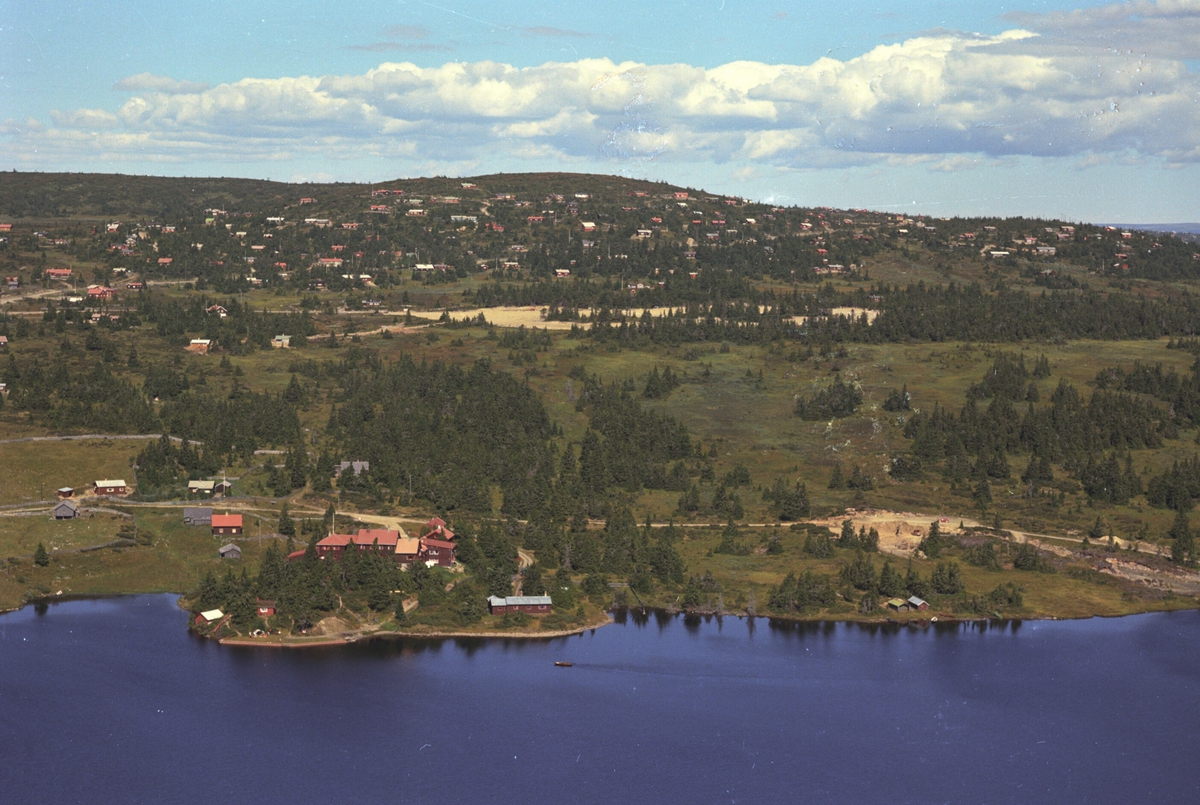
(514, 317)
(850, 312)
(533, 316)
(899, 532)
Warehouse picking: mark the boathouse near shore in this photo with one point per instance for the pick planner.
(529, 604)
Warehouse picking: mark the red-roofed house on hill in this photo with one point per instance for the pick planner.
(333, 546)
(438, 529)
(227, 524)
(384, 540)
(369, 538)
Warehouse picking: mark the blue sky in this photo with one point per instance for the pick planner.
(1052, 109)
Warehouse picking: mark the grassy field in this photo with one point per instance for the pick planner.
(20, 535)
(175, 560)
(46, 466)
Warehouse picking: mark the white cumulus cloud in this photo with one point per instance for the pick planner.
(148, 82)
(1053, 87)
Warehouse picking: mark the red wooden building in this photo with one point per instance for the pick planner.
(408, 550)
(438, 529)
(368, 538)
(333, 546)
(227, 524)
(437, 550)
(110, 487)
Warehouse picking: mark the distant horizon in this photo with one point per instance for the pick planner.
(1189, 227)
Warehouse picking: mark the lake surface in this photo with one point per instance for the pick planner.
(114, 701)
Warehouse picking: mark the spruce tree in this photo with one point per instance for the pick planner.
(40, 557)
(1182, 540)
(286, 526)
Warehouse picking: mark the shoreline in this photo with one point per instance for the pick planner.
(291, 641)
(611, 617)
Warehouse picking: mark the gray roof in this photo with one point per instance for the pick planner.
(496, 601)
(917, 601)
(230, 548)
(526, 600)
(195, 513)
(66, 504)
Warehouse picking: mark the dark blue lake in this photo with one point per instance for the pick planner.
(113, 701)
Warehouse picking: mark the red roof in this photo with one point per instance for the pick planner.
(336, 540)
(386, 537)
(296, 555)
(438, 526)
(227, 521)
(430, 542)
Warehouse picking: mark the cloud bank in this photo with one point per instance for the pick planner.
(1089, 83)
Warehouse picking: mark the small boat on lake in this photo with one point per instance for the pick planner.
(562, 664)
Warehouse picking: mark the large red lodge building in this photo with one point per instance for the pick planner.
(437, 547)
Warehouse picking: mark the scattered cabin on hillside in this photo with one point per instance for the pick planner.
(229, 551)
(222, 487)
(918, 603)
(200, 487)
(66, 510)
(230, 524)
(359, 467)
(65, 492)
(197, 516)
(110, 487)
(897, 605)
(264, 609)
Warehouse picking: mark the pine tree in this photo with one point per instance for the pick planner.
(287, 526)
(40, 557)
(837, 481)
(1182, 540)
(847, 538)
